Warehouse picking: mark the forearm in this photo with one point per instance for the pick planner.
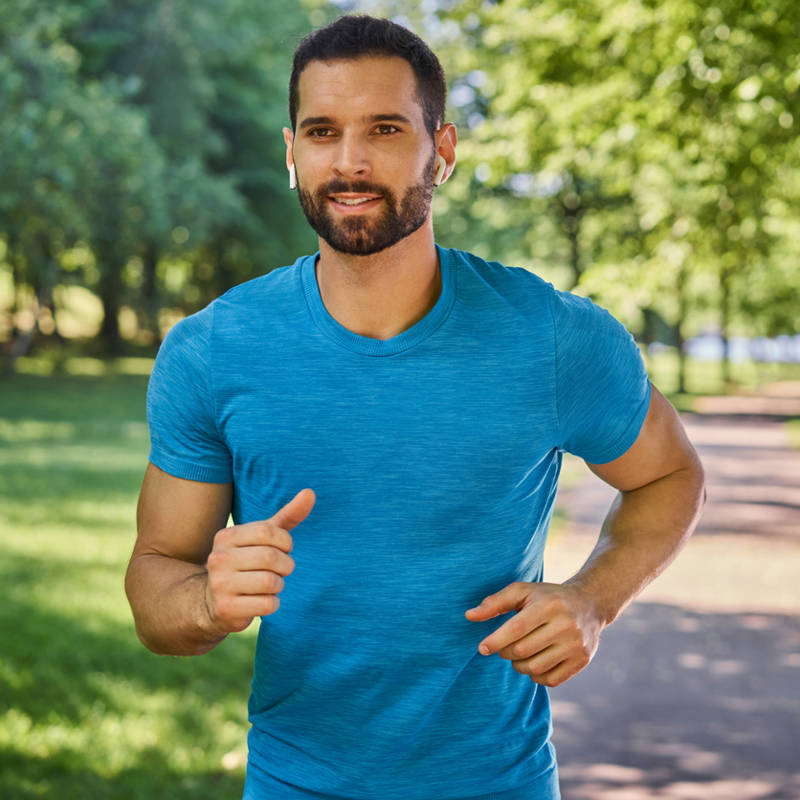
(641, 535)
(167, 597)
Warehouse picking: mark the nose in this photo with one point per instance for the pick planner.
(350, 158)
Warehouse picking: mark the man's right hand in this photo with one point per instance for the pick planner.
(247, 565)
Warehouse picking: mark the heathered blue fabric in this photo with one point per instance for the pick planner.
(434, 456)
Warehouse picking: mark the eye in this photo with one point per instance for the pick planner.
(319, 133)
(386, 129)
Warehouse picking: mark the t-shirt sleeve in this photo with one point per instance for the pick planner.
(184, 437)
(602, 388)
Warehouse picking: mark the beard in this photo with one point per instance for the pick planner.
(363, 235)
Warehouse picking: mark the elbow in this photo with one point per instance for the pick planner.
(700, 487)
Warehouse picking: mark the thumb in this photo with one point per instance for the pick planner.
(295, 511)
(507, 599)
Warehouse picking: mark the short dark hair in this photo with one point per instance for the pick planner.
(356, 35)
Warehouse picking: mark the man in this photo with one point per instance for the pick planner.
(423, 397)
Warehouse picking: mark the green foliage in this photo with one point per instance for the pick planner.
(644, 150)
(149, 132)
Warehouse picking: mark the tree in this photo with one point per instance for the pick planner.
(653, 133)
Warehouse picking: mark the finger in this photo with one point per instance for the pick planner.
(537, 641)
(507, 599)
(559, 674)
(274, 559)
(262, 533)
(511, 631)
(258, 583)
(295, 511)
(542, 663)
(247, 606)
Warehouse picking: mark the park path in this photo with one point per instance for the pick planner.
(695, 689)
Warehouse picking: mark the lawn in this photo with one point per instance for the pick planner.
(85, 710)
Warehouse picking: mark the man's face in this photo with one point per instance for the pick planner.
(364, 160)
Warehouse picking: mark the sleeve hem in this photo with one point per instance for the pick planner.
(627, 438)
(189, 471)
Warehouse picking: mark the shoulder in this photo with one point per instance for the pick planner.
(573, 313)
(500, 276)
(521, 289)
(237, 306)
(274, 284)
(490, 285)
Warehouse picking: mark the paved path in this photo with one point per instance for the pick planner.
(695, 690)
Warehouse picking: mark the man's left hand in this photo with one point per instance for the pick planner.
(553, 635)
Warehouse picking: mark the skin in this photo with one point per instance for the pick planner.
(373, 132)
(191, 581)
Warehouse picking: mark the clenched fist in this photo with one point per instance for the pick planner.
(247, 565)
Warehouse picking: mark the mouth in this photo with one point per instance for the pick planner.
(354, 203)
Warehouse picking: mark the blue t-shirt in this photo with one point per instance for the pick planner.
(434, 456)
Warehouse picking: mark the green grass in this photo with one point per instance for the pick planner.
(705, 377)
(85, 710)
(794, 433)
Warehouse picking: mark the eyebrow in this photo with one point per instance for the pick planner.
(309, 121)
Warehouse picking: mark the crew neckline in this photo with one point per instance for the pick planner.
(366, 345)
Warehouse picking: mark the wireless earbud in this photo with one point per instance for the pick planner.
(292, 178)
(441, 166)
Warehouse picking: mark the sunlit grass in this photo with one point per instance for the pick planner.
(794, 433)
(85, 710)
(706, 377)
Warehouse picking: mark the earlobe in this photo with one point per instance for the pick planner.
(292, 178)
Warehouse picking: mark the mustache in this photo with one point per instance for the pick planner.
(338, 185)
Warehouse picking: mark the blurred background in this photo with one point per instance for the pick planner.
(641, 152)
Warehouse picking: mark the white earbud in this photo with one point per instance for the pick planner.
(441, 166)
(292, 178)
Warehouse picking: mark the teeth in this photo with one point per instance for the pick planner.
(353, 202)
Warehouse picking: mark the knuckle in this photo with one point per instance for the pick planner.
(224, 610)
(214, 560)
(223, 536)
(216, 582)
(555, 606)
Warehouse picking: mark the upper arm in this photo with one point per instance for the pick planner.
(178, 518)
(660, 449)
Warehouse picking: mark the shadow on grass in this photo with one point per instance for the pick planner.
(68, 494)
(68, 777)
(63, 676)
(55, 658)
(678, 697)
(79, 398)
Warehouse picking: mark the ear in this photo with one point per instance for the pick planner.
(445, 140)
(288, 137)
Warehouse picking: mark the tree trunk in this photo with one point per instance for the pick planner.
(110, 291)
(725, 277)
(571, 214)
(683, 307)
(16, 281)
(151, 304)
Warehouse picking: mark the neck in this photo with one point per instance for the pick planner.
(381, 295)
